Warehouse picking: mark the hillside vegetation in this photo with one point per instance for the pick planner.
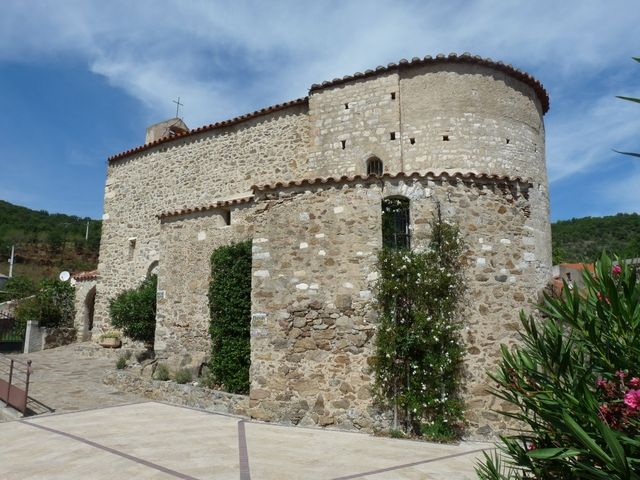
(584, 239)
(46, 243)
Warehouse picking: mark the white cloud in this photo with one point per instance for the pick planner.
(225, 59)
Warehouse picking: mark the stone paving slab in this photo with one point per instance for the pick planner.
(64, 380)
(155, 440)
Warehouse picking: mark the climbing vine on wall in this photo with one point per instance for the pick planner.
(418, 361)
(230, 311)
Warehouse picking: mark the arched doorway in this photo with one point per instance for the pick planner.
(88, 310)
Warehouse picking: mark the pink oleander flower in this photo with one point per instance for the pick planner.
(617, 269)
(601, 383)
(634, 382)
(632, 399)
(621, 374)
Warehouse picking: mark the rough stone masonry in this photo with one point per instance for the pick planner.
(300, 179)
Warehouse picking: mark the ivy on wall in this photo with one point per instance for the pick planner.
(230, 311)
(419, 352)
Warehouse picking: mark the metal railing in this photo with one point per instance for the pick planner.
(14, 382)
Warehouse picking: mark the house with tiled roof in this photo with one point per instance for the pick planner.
(307, 181)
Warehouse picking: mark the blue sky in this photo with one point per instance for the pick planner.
(81, 80)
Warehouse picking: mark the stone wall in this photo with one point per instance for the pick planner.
(313, 319)
(189, 172)
(313, 322)
(186, 245)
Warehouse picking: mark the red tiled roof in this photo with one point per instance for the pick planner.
(204, 208)
(482, 177)
(82, 276)
(440, 58)
(466, 57)
(213, 126)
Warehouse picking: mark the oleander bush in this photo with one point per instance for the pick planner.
(230, 311)
(574, 384)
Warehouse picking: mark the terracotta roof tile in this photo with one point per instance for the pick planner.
(213, 126)
(83, 276)
(204, 208)
(348, 179)
(466, 57)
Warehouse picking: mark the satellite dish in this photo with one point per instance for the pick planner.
(64, 276)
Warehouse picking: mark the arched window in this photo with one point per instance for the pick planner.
(396, 224)
(374, 166)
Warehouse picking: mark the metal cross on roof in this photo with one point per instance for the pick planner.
(178, 105)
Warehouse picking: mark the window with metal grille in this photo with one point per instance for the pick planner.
(374, 166)
(396, 224)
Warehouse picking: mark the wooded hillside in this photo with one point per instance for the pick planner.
(583, 239)
(46, 243)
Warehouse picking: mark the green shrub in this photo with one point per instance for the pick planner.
(183, 376)
(419, 351)
(16, 288)
(230, 309)
(53, 305)
(574, 383)
(121, 363)
(134, 311)
(162, 372)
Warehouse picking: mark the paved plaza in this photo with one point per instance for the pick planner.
(87, 430)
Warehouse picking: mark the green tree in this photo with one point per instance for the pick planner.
(134, 311)
(16, 288)
(53, 305)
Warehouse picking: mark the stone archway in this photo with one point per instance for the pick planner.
(153, 269)
(87, 314)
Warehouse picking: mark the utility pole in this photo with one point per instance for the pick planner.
(86, 235)
(11, 261)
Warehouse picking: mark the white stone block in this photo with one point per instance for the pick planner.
(486, 248)
(303, 245)
(202, 236)
(320, 235)
(302, 286)
(322, 253)
(261, 273)
(304, 216)
(261, 255)
(505, 241)
(347, 285)
(365, 294)
(481, 261)
(529, 257)
(260, 240)
(338, 209)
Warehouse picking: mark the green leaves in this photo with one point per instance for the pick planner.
(230, 311)
(418, 348)
(134, 311)
(566, 383)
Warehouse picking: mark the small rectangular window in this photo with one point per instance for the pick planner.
(226, 216)
(346, 106)
(393, 95)
(412, 141)
(392, 135)
(343, 143)
(445, 138)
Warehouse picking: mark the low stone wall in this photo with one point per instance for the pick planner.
(187, 394)
(40, 338)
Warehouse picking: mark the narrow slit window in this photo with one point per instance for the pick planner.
(508, 141)
(412, 141)
(375, 166)
(393, 95)
(346, 106)
(343, 143)
(396, 224)
(392, 135)
(226, 216)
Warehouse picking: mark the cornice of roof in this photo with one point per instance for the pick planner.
(466, 57)
(444, 175)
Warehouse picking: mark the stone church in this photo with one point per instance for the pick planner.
(305, 181)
